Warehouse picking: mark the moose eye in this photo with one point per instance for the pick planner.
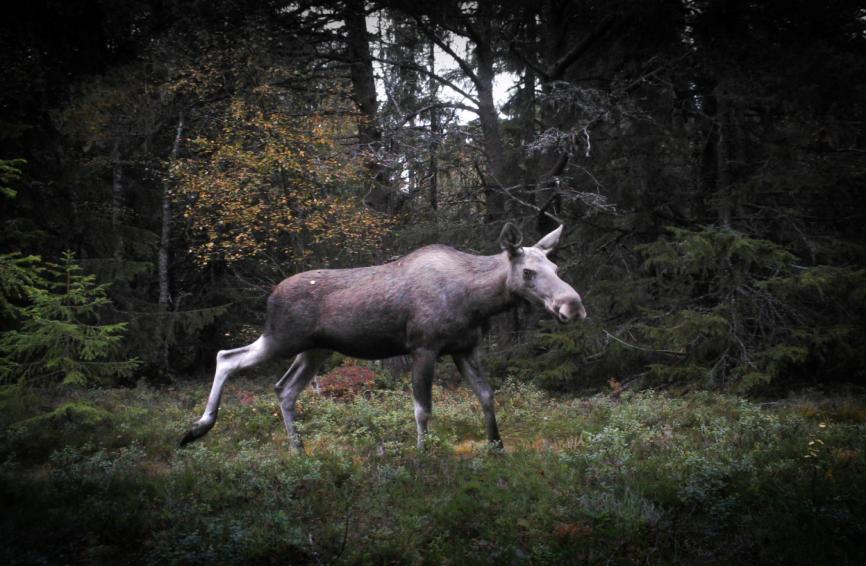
(528, 274)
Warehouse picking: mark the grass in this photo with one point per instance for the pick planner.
(94, 477)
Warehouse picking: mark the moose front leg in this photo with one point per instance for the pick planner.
(470, 368)
(423, 368)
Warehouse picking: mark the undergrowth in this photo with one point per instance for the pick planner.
(94, 476)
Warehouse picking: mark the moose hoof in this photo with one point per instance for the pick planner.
(296, 445)
(194, 433)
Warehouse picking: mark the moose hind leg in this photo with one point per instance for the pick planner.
(423, 369)
(228, 362)
(470, 369)
(289, 387)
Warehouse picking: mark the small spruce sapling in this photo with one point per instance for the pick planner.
(60, 338)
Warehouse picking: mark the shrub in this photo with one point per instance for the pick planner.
(739, 311)
(713, 308)
(61, 338)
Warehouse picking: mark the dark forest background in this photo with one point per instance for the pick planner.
(164, 163)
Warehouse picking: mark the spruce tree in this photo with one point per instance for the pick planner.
(61, 338)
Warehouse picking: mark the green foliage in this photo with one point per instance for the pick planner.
(742, 313)
(40, 435)
(713, 307)
(10, 171)
(18, 273)
(79, 414)
(581, 356)
(562, 352)
(61, 338)
(92, 475)
(702, 254)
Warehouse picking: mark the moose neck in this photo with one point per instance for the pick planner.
(488, 292)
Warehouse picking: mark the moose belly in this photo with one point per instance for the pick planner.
(362, 334)
(366, 347)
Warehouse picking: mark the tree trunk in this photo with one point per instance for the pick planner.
(116, 200)
(552, 31)
(527, 134)
(487, 116)
(433, 166)
(723, 166)
(163, 254)
(165, 233)
(364, 94)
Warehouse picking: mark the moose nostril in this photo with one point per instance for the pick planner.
(568, 310)
(563, 312)
(572, 310)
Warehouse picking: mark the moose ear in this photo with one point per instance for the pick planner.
(549, 242)
(510, 239)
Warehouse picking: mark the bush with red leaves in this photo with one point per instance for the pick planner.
(346, 382)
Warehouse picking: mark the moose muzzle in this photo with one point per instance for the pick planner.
(569, 308)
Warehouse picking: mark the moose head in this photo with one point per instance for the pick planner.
(532, 276)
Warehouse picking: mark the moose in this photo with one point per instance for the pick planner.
(432, 302)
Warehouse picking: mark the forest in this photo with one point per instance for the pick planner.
(165, 163)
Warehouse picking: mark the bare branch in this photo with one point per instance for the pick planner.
(428, 73)
(641, 348)
(527, 204)
(437, 106)
(461, 62)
